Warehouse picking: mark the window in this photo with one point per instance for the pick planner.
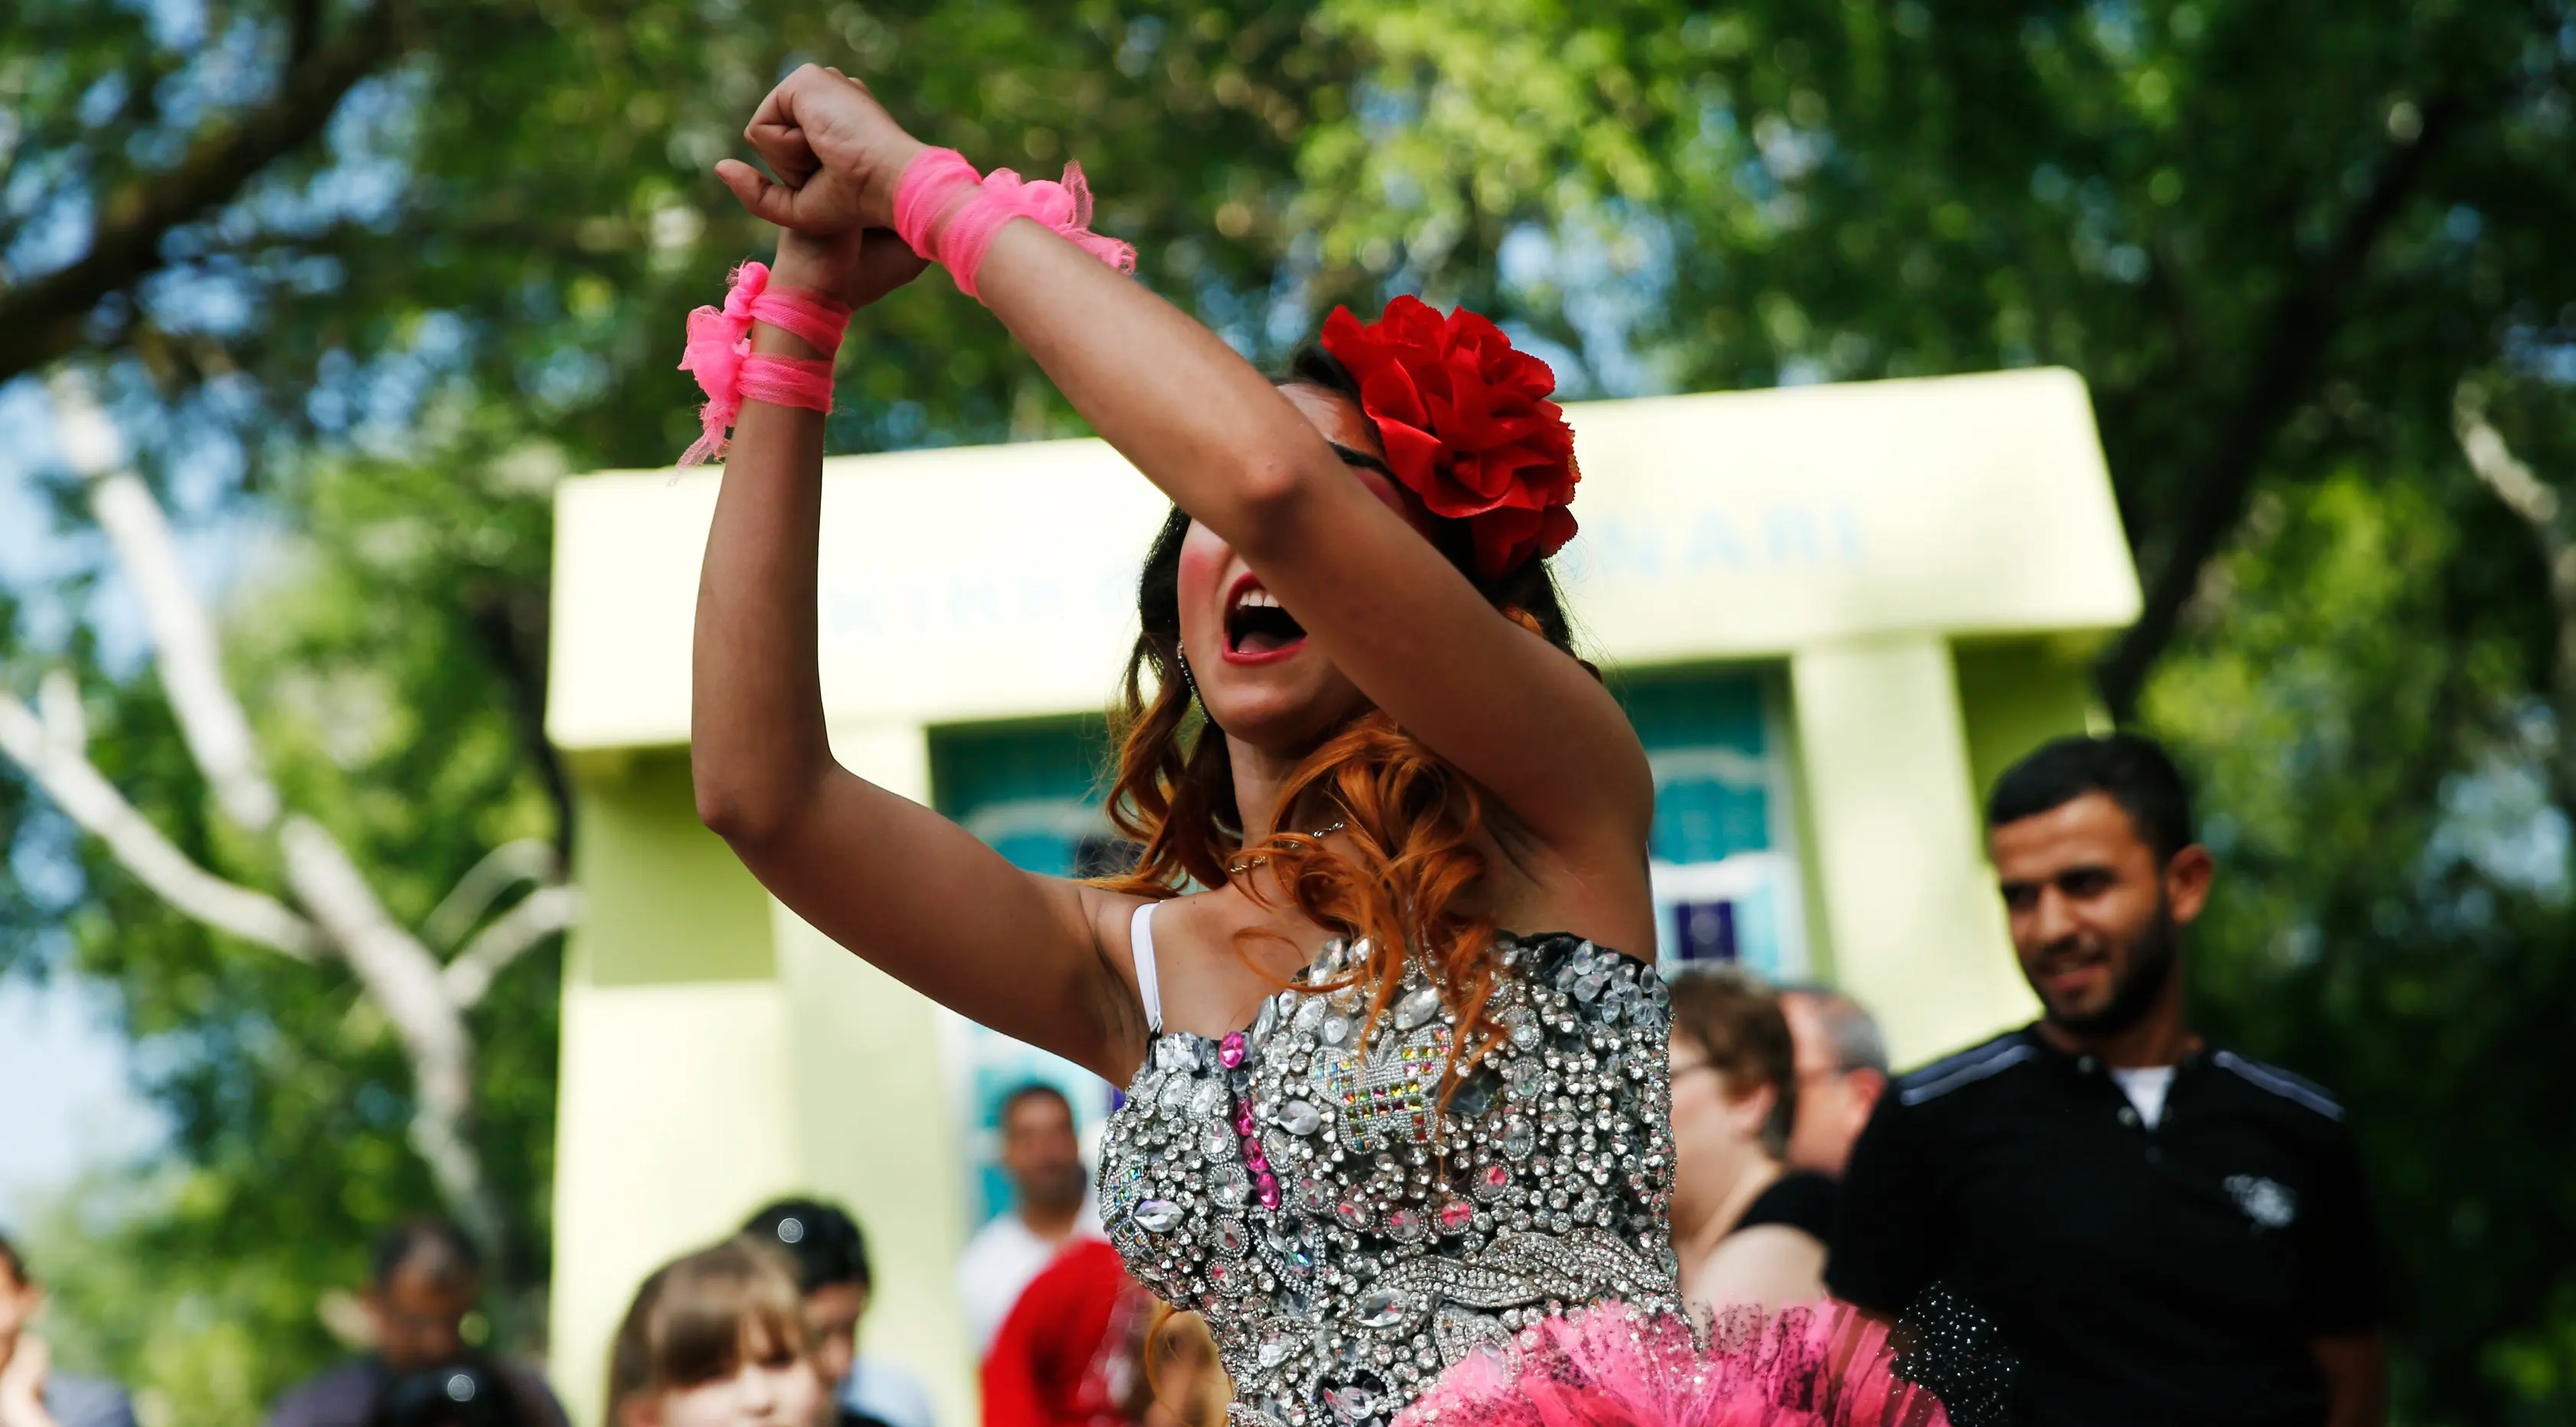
(1723, 859)
(1030, 790)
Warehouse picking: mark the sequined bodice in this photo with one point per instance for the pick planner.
(1344, 1236)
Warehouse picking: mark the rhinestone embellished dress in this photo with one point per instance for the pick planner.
(1345, 1238)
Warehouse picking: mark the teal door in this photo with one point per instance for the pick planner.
(1723, 851)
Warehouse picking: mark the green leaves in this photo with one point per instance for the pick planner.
(2393, 909)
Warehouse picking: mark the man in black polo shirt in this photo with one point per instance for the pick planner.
(2166, 1233)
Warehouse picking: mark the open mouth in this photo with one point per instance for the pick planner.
(1255, 626)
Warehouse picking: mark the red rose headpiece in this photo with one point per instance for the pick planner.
(1467, 425)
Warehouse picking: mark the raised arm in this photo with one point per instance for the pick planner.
(1526, 721)
(1392, 612)
(891, 880)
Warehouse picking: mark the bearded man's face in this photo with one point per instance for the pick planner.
(2095, 913)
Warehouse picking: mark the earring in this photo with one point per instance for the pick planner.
(1187, 682)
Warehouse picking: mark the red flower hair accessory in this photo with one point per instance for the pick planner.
(1467, 425)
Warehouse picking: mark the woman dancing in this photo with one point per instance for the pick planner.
(1396, 1087)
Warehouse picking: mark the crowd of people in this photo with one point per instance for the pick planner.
(2153, 1229)
(757, 1330)
(761, 1330)
(2158, 1229)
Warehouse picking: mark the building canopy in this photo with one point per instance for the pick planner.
(999, 581)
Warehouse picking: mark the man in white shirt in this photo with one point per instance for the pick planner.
(1052, 1206)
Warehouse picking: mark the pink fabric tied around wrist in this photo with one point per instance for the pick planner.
(929, 191)
(719, 354)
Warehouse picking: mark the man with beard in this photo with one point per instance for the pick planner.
(2162, 1231)
(1052, 1207)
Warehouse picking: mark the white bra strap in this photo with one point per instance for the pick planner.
(1149, 989)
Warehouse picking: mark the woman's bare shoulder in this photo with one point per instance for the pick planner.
(1110, 916)
(1770, 1264)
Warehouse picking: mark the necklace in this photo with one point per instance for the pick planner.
(1241, 865)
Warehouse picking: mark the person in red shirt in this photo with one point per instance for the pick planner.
(1071, 1352)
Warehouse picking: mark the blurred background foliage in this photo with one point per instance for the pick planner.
(367, 276)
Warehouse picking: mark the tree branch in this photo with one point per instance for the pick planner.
(185, 648)
(41, 320)
(397, 972)
(541, 914)
(406, 981)
(2504, 473)
(2553, 526)
(2303, 325)
(58, 765)
(58, 704)
(511, 624)
(522, 860)
(304, 32)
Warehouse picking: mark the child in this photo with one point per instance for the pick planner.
(717, 1339)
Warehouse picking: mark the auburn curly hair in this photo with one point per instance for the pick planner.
(1412, 817)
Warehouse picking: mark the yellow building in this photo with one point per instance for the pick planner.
(1834, 612)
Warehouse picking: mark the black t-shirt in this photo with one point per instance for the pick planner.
(2146, 1277)
(1801, 1199)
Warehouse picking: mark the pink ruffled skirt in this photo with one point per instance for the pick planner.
(1823, 1365)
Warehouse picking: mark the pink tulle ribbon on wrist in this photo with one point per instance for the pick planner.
(719, 354)
(931, 189)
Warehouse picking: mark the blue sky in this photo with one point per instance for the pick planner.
(66, 1103)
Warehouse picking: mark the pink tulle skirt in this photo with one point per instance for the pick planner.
(1821, 1365)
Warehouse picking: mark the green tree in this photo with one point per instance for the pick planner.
(2394, 915)
(325, 1068)
(2265, 233)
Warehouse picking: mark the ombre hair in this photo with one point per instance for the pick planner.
(693, 1321)
(1411, 817)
